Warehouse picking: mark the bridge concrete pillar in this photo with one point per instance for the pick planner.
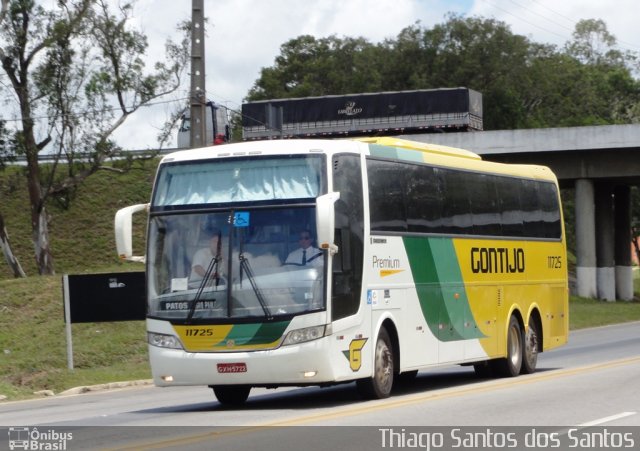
(586, 284)
(622, 223)
(605, 255)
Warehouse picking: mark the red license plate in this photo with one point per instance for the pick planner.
(232, 367)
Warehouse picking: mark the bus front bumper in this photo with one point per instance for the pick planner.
(303, 364)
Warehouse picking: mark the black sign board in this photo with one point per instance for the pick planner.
(106, 297)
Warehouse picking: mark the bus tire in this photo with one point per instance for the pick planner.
(231, 395)
(511, 365)
(530, 348)
(379, 385)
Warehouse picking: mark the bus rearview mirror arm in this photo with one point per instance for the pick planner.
(325, 221)
(124, 231)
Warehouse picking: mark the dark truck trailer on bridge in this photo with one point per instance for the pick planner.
(421, 111)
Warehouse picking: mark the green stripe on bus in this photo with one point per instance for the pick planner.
(441, 292)
(243, 333)
(269, 332)
(257, 333)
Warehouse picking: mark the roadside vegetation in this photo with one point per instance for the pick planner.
(33, 352)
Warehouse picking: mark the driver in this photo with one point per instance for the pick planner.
(306, 254)
(204, 257)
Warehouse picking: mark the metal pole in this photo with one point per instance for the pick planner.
(198, 91)
(67, 320)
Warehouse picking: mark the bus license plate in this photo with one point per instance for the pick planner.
(232, 367)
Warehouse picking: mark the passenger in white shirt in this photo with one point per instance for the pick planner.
(306, 254)
(203, 257)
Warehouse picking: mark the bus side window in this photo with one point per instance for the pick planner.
(349, 235)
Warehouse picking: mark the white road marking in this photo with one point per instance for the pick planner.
(607, 419)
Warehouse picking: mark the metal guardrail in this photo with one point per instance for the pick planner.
(49, 158)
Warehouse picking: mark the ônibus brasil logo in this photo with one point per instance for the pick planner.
(32, 439)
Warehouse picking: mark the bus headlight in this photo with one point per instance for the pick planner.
(164, 340)
(302, 335)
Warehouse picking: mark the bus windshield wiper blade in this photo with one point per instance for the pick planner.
(211, 269)
(246, 267)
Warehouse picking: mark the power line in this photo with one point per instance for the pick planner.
(547, 19)
(573, 22)
(104, 110)
(630, 45)
(532, 11)
(523, 19)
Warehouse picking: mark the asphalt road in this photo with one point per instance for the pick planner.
(593, 381)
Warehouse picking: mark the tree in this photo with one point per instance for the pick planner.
(482, 54)
(485, 55)
(608, 91)
(524, 84)
(593, 44)
(308, 67)
(82, 68)
(9, 257)
(5, 244)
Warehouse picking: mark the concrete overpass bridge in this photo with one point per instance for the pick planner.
(601, 163)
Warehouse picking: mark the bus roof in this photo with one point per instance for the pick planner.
(451, 157)
(387, 147)
(423, 147)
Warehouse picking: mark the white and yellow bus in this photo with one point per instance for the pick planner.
(423, 255)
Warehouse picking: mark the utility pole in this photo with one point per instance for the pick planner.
(198, 97)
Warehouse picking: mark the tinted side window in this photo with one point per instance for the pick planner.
(531, 209)
(550, 206)
(484, 204)
(386, 198)
(424, 199)
(416, 198)
(510, 210)
(456, 211)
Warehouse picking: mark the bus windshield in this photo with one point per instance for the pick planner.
(236, 180)
(260, 262)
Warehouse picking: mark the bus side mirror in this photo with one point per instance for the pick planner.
(123, 229)
(325, 221)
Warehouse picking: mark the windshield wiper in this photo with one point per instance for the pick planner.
(246, 267)
(211, 269)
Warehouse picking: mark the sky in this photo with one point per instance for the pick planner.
(244, 36)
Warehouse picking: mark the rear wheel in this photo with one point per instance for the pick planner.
(511, 365)
(232, 395)
(530, 348)
(379, 386)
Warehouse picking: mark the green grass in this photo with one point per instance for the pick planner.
(32, 331)
(33, 350)
(592, 312)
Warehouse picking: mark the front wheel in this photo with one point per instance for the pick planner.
(379, 386)
(511, 365)
(231, 395)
